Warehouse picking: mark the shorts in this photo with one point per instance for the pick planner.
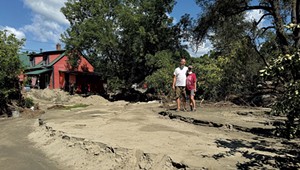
(190, 92)
(180, 92)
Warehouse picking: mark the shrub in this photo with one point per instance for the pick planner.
(28, 102)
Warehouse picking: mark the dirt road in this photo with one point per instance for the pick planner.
(16, 151)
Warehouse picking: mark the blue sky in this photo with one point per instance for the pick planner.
(42, 23)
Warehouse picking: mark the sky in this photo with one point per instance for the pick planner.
(41, 23)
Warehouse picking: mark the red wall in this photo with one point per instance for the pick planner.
(61, 80)
(59, 66)
(38, 59)
(53, 57)
(84, 64)
(62, 65)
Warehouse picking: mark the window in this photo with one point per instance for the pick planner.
(46, 59)
(32, 61)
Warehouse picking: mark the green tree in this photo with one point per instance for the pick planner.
(10, 68)
(232, 39)
(282, 67)
(119, 36)
(209, 72)
(161, 80)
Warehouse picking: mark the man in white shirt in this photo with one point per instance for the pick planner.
(179, 83)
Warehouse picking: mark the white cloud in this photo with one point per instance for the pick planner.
(49, 9)
(48, 22)
(255, 15)
(44, 30)
(197, 51)
(18, 33)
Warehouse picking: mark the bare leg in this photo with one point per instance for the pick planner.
(178, 103)
(184, 103)
(193, 102)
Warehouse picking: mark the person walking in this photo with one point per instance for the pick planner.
(191, 86)
(179, 84)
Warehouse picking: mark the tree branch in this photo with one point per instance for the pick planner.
(248, 8)
(257, 51)
(266, 8)
(261, 18)
(266, 28)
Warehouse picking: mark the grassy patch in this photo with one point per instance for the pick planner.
(76, 106)
(62, 107)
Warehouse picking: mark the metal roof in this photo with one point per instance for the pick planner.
(38, 72)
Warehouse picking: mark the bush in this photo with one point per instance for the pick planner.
(28, 102)
(285, 69)
(161, 79)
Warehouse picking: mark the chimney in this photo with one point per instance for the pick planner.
(58, 47)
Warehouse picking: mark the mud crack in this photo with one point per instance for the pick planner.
(255, 130)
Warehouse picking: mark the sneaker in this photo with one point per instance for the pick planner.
(191, 107)
(184, 110)
(177, 110)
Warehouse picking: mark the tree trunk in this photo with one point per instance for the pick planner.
(296, 20)
(282, 39)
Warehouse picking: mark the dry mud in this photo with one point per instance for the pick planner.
(121, 135)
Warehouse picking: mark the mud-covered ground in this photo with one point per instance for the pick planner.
(17, 152)
(120, 135)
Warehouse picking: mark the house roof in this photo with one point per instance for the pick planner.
(48, 53)
(37, 72)
(41, 64)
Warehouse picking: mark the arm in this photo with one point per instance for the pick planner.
(174, 81)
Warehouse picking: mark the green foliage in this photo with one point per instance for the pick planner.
(10, 68)
(285, 69)
(235, 61)
(28, 102)
(27, 81)
(209, 74)
(288, 104)
(161, 80)
(118, 37)
(278, 51)
(241, 70)
(114, 84)
(234, 73)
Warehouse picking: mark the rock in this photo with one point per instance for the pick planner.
(15, 114)
(271, 162)
(66, 137)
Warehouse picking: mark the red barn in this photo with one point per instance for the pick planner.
(51, 69)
